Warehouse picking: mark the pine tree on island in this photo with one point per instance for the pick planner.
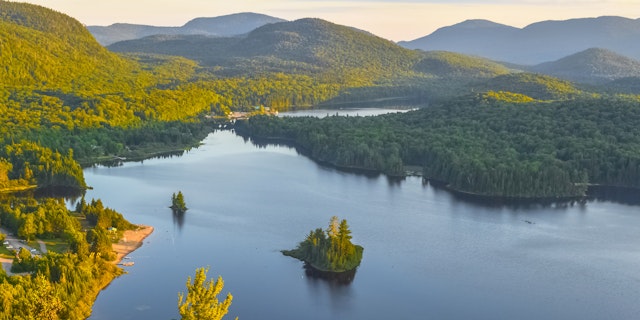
(177, 203)
(329, 250)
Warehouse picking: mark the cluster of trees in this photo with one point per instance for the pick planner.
(30, 218)
(100, 217)
(29, 163)
(59, 285)
(329, 250)
(95, 145)
(483, 146)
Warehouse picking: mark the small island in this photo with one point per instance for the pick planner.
(330, 250)
(177, 203)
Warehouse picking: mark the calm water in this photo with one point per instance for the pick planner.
(427, 254)
(321, 113)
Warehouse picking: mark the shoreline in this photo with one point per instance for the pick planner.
(130, 241)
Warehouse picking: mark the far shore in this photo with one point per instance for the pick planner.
(130, 241)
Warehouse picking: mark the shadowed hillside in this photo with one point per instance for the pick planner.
(595, 66)
(537, 43)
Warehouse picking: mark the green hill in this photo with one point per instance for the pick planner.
(536, 86)
(45, 49)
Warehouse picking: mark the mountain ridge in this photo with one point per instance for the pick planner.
(308, 45)
(538, 42)
(593, 66)
(220, 26)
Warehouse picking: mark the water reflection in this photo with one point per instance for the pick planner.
(119, 161)
(264, 143)
(334, 278)
(508, 203)
(70, 195)
(178, 219)
(629, 196)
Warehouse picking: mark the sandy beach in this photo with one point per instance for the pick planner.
(130, 241)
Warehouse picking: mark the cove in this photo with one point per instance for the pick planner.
(429, 254)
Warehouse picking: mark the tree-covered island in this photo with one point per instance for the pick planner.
(177, 203)
(330, 250)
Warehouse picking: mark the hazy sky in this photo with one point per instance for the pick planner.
(394, 20)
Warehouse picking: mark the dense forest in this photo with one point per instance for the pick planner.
(63, 283)
(329, 250)
(481, 144)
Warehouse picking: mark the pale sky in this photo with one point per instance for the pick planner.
(394, 20)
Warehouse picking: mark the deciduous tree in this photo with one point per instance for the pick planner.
(201, 300)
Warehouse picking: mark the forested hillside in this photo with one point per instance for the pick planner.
(56, 81)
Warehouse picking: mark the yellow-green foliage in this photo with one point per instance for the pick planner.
(201, 300)
(46, 50)
(34, 164)
(450, 64)
(536, 86)
(60, 285)
(505, 96)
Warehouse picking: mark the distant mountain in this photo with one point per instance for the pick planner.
(474, 37)
(222, 26)
(301, 46)
(536, 43)
(594, 66)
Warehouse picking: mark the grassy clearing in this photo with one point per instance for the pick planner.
(56, 245)
(6, 253)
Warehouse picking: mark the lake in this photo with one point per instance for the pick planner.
(427, 253)
(362, 112)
